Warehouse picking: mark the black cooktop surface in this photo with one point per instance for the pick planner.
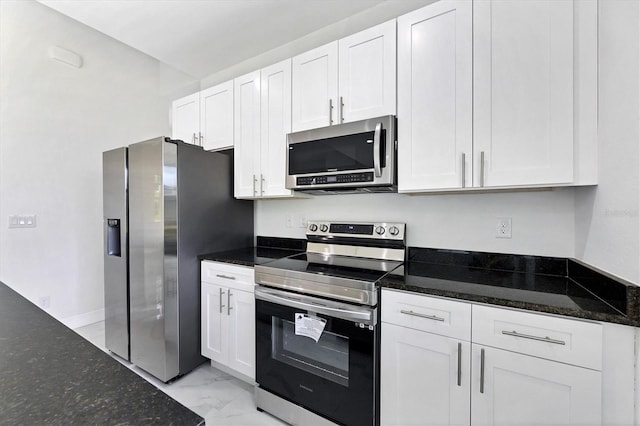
(354, 268)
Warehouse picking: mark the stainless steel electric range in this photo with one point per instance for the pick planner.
(317, 335)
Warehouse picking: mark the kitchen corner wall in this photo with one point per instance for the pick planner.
(55, 122)
(607, 216)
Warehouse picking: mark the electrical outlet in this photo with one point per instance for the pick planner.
(503, 229)
(303, 222)
(289, 221)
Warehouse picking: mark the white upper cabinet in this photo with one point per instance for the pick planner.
(315, 87)
(523, 92)
(262, 121)
(216, 116)
(205, 118)
(347, 80)
(497, 94)
(186, 119)
(247, 135)
(275, 101)
(367, 73)
(435, 97)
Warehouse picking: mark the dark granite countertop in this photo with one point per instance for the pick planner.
(266, 250)
(552, 285)
(536, 283)
(51, 375)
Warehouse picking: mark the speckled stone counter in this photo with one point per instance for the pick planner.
(266, 249)
(52, 376)
(553, 285)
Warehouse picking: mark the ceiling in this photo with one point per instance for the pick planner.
(201, 37)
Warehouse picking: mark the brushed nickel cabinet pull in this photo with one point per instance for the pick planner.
(194, 138)
(481, 370)
(254, 184)
(200, 137)
(330, 112)
(221, 305)
(464, 170)
(341, 110)
(416, 314)
(546, 339)
(229, 302)
(226, 277)
(459, 364)
(261, 184)
(481, 168)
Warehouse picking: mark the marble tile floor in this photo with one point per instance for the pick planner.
(219, 398)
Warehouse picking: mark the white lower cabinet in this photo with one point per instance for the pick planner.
(425, 360)
(504, 367)
(512, 389)
(228, 317)
(424, 378)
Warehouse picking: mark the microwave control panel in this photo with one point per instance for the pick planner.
(341, 178)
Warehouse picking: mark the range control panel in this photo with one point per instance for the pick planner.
(375, 230)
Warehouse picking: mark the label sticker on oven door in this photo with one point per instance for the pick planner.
(309, 326)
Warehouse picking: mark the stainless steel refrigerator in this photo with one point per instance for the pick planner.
(165, 203)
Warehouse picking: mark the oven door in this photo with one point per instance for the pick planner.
(334, 376)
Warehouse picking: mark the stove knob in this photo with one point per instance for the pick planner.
(324, 228)
(313, 227)
(380, 230)
(394, 230)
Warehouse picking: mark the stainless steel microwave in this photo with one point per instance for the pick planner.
(344, 158)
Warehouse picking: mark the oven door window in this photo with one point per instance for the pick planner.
(327, 358)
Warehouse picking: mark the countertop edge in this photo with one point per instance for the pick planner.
(498, 302)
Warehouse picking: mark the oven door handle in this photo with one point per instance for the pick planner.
(365, 315)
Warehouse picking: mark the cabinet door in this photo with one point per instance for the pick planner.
(275, 124)
(247, 135)
(186, 119)
(435, 97)
(216, 116)
(367, 73)
(524, 390)
(214, 322)
(424, 378)
(315, 88)
(242, 336)
(523, 92)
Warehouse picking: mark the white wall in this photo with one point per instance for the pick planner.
(55, 122)
(607, 216)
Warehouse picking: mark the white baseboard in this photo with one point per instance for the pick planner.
(81, 320)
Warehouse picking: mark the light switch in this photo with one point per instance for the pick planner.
(22, 221)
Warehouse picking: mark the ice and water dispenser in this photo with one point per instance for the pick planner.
(113, 237)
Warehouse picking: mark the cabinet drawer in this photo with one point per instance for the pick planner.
(425, 313)
(559, 339)
(224, 274)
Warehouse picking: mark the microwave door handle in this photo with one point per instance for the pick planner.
(377, 135)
